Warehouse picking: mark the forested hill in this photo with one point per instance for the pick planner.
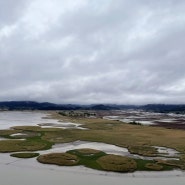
(31, 105)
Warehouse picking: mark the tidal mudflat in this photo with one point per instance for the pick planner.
(109, 136)
(22, 118)
(12, 175)
(28, 171)
(148, 118)
(9, 119)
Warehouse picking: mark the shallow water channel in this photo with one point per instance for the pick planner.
(146, 118)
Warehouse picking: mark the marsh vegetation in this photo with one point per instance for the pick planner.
(138, 139)
(24, 155)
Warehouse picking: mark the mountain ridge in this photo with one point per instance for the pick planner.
(33, 105)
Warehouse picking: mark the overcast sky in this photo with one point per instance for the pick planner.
(92, 51)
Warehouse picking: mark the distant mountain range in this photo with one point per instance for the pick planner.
(31, 105)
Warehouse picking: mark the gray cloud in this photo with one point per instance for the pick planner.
(92, 51)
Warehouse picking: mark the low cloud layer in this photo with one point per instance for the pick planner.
(83, 51)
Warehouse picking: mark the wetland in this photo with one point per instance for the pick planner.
(89, 142)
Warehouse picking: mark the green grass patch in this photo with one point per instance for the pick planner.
(154, 166)
(143, 150)
(151, 165)
(25, 134)
(7, 133)
(87, 151)
(88, 157)
(24, 155)
(61, 159)
(35, 128)
(99, 160)
(30, 144)
(117, 163)
(173, 163)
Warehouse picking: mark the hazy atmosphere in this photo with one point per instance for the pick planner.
(100, 51)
